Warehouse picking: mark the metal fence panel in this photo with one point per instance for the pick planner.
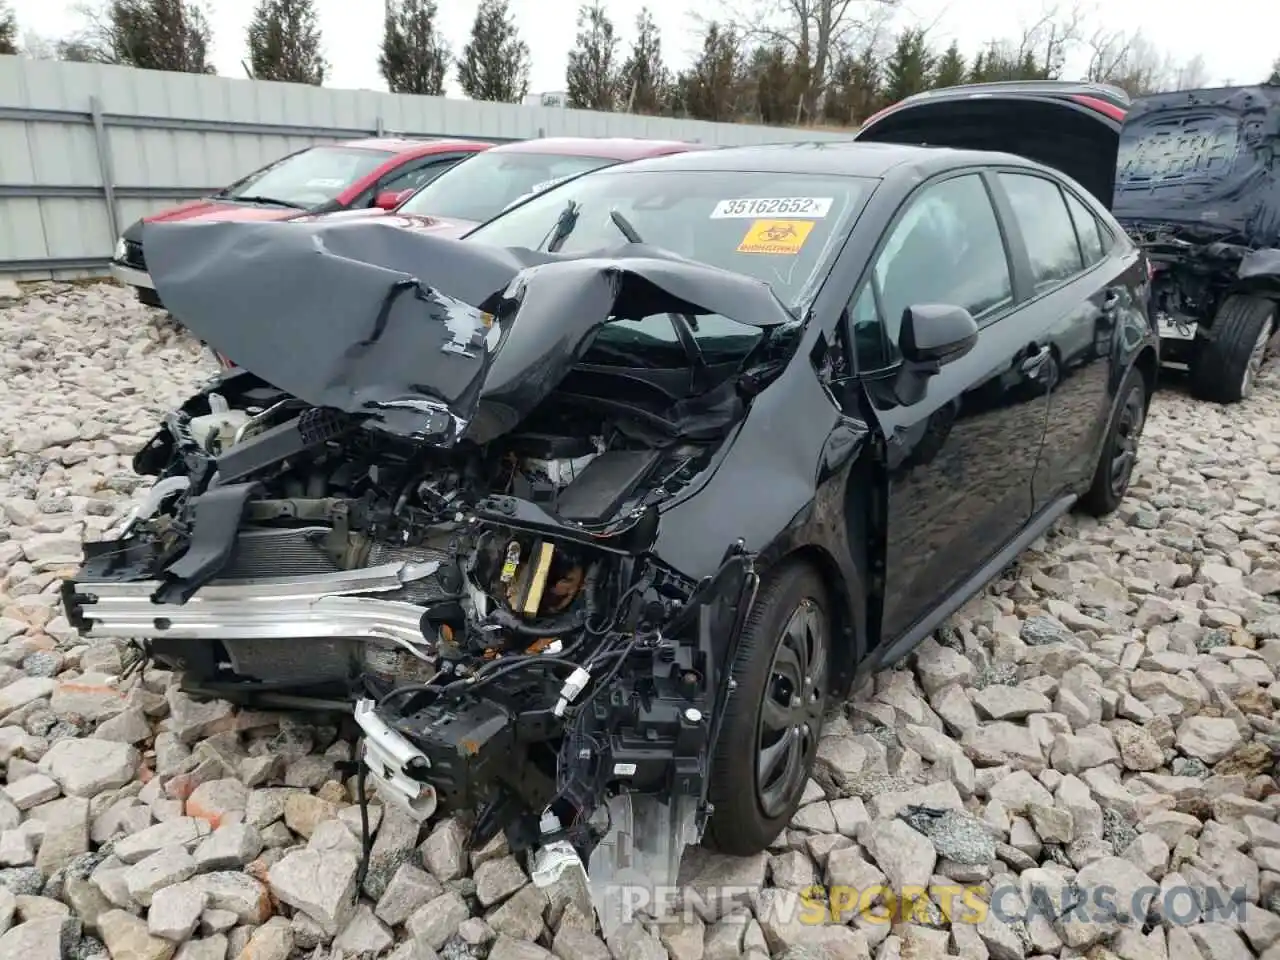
(86, 149)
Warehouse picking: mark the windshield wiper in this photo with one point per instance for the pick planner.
(271, 201)
(565, 223)
(623, 224)
(685, 324)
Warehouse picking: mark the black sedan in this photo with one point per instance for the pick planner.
(708, 436)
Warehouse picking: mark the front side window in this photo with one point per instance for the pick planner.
(1046, 227)
(945, 248)
(413, 176)
(488, 182)
(308, 179)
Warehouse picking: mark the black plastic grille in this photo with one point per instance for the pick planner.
(133, 254)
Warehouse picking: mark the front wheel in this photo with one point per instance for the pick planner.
(1120, 449)
(1225, 368)
(769, 736)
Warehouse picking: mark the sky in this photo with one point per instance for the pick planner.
(352, 30)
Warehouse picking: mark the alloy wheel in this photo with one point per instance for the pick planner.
(1124, 450)
(791, 711)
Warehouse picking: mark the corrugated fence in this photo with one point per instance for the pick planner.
(86, 149)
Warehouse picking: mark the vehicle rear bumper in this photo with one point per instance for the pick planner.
(131, 276)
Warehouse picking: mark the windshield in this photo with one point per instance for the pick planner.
(485, 184)
(310, 178)
(782, 228)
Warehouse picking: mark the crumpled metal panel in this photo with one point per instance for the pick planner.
(399, 326)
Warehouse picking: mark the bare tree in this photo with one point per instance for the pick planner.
(1192, 75)
(1275, 72)
(814, 33)
(1129, 61)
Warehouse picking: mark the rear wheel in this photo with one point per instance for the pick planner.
(1225, 368)
(773, 720)
(1120, 449)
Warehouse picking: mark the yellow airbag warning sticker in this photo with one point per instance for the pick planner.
(784, 237)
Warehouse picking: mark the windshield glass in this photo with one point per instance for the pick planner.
(782, 228)
(483, 185)
(310, 178)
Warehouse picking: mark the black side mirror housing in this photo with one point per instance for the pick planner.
(932, 335)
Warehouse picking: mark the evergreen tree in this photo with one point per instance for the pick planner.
(950, 70)
(284, 42)
(169, 35)
(909, 68)
(770, 70)
(592, 77)
(645, 81)
(710, 87)
(1275, 72)
(495, 63)
(854, 92)
(8, 29)
(414, 56)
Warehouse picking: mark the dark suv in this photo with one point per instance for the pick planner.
(1190, 175)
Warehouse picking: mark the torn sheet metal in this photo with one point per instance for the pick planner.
(400, 326)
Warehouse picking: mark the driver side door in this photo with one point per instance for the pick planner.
(959, 462)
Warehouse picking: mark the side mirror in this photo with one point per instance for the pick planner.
(932, 335)
(390, 199)
(936, 334)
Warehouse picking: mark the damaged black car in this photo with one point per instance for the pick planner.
(596, 512)
(1191, 176)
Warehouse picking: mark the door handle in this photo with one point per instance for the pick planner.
(1033, 364)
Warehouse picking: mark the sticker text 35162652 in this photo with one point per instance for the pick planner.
(752, 207)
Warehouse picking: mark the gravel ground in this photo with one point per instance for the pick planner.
(1105, 715)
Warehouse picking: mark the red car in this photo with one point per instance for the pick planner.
(478, 190)
(354, 174)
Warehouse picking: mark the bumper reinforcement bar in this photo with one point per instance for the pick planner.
(274, 608)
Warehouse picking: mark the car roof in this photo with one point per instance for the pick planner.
(610, 148)
(839, 157)
(407, 145)
(1106, 92)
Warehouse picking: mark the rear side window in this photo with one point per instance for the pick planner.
(1046, 226)
(1087, 229)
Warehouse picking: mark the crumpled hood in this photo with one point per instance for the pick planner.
(398, 326)
(1203, 160)
(214, 209)
(441, 226)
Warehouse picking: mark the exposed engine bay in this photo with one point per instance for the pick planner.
(513, 654)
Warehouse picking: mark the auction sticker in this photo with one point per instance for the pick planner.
(752, 207)
(784, 237)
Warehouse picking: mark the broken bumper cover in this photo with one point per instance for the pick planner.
(322, 606)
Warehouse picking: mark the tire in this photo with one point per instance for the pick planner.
(746, 819)
(1224, 369)
(1120, 449)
